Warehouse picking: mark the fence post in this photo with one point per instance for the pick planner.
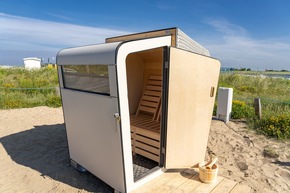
(258, 107)
(57, 91)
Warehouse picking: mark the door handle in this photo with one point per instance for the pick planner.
(212, 91)
(117, 123)
(117, 117)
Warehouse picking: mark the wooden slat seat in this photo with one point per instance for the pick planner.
(145, 124)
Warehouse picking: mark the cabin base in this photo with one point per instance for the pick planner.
(77, 166)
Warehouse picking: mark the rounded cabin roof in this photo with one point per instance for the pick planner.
(102, 53)
(32, 58)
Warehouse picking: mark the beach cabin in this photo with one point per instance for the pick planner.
(137, 105)
(32, 63)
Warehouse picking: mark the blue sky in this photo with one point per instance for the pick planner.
(253, 34)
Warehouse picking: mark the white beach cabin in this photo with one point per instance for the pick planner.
(32, 63)
(148, 95)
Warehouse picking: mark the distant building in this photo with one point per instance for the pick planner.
(32, 63)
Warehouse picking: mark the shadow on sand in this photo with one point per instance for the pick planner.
(45, 149)
(282, 163)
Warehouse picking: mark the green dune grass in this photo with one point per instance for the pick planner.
(21, 88)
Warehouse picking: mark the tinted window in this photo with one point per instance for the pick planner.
(91, 78)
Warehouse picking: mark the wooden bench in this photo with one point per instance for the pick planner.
(145, 124)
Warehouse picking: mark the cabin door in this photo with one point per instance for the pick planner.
(188, 106)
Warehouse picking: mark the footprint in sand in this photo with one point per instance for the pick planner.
(284, 174)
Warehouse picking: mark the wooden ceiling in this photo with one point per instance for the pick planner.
(151, 56)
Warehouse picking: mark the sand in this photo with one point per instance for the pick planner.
(34, 155)
(250, 159)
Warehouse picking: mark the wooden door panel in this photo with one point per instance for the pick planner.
(190, 106)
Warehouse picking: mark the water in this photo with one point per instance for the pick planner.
(287, 76)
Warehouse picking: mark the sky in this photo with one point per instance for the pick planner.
(241, 34)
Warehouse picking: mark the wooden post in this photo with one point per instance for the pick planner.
(57, 91)
(258, 107)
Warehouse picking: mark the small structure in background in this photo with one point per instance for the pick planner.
(224, 108)
(49, 64)
(32, 63)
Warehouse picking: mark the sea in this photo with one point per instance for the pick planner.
(274, 75)
(287, 76)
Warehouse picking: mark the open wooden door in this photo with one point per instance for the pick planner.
(192, 84)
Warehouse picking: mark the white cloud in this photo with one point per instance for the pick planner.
(236, 48)
(225, 27)
(165, 6)
(59, 16)
(21, 33)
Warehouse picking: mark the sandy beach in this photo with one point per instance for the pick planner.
(34, 155)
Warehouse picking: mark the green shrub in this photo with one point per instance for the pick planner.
(274, 126)
(53, 101)
(241, 110)
(12, 103)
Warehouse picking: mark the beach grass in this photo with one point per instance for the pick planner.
(256, 86)
(22, 88)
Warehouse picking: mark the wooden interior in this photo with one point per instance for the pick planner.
(144, 80)
(192, 81)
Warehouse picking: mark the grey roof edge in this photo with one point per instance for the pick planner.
(103, 53)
